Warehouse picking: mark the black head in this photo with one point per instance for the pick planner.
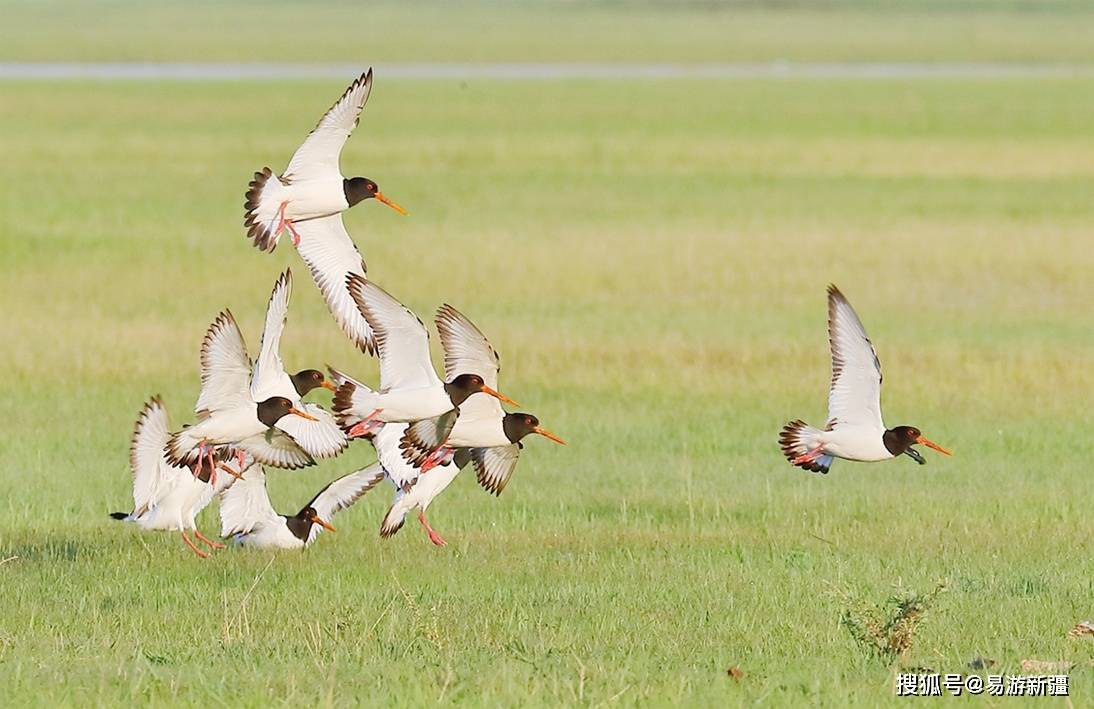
(464, 386)
(358, 189)
(301, 523)
(274, 409)
(900, 439)
(517, 426)
(307, 379)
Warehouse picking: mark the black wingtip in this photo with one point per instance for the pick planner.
(119, 515)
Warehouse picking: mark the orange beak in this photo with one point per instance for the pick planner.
(547, 434)
(497, 395)
(328, 385)
(931, 444)
(380, 196)
(323, 524)
(302, 415)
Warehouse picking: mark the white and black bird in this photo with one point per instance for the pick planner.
(309, 199)
(410, 390)
(482, 422)
(412, 489)
(169, 497)
(855, 430)
(257, 409)
(312, 186)
(248, 518)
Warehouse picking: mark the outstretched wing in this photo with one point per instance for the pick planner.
(269, 377)
(854, 397)
(276, 449)
(402, 342)
(343, 492)
(331, 257)
(467, 351)
(245, 505)
(225, 367)
(319, 154)
(494, 466)
(153, 476)
(319, 439)
(425, 436)
(386, 441)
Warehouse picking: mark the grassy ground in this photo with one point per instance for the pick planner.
(650, 258)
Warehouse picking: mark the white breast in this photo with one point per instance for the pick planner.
(310, 199)
(272, 536)
(863, 443)
(477, 433)
(405, 405)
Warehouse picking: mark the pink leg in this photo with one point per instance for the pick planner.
(193, 548)
(208, 542)
(365, 426)
(433, 536)
(241, 459)
(295, 236)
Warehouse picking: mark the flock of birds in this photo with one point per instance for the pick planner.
(424, 429)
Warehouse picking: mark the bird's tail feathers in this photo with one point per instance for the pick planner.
(265, 195)
(798, 438)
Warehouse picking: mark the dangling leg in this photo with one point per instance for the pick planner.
(241, 459)
(295, 236)
(208, 542)
(441, 456)
(193, 548)
(366, 425)
(433, 536)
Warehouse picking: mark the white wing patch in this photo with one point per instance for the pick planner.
(386, 442)
(854, 397)
(467, 351)
(225, 367)
(269, 377)
(276, 449)
(331, 256)
(402, 342)
(319, 154)
(153, 476)
(319, 439)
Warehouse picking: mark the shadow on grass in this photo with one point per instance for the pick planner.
(52, 549)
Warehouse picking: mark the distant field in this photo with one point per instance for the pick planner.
(537, 31)
(650, 259)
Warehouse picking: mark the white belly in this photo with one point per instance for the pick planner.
(271, 536)
(311, 199)
(407, 405)
(176, 510)
(862, 443)
(477, 433)
(431, 484)
(229, 426)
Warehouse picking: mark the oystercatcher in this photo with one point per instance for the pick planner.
(258, 410)
(248, 518)
(169, 497)
(854, 430)
(410, 391)
(312, 185)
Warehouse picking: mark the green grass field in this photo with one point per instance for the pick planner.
(650, 259)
